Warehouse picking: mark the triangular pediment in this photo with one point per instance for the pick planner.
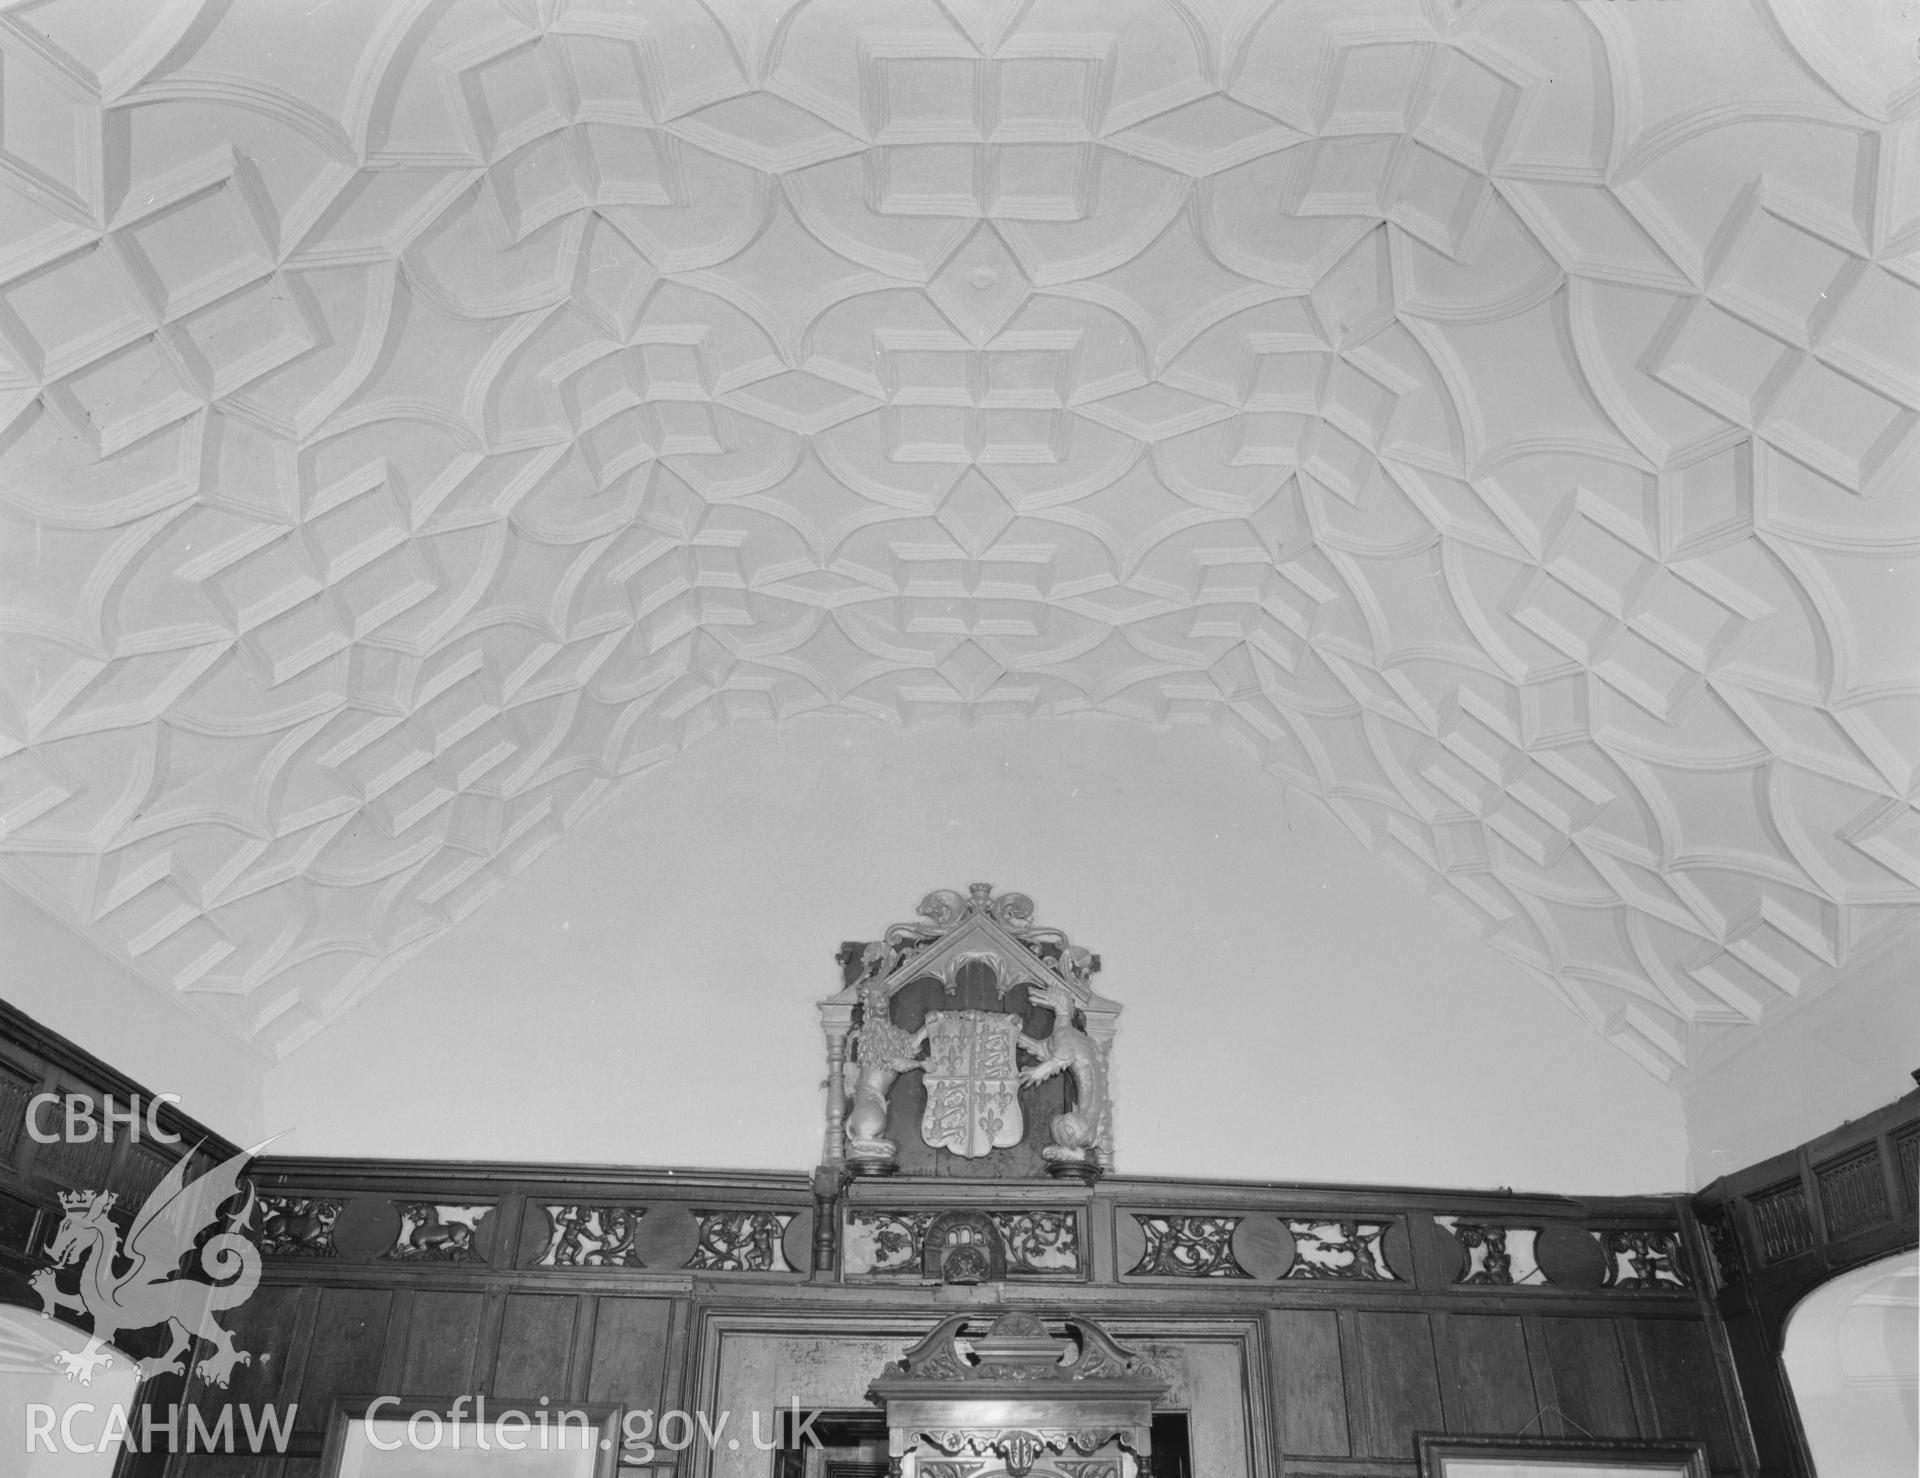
(977, 940)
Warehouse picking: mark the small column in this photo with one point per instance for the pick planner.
(836, 1021)
(1103, 1021)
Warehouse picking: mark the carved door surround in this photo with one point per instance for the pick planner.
(1075, 1402)
(970, 1060)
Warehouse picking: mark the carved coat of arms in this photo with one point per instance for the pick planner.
(972, 1077)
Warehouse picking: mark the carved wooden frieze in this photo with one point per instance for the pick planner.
(592, 1237)
(295, 1226)
(1188, 1247)
(741, 1242)
(436, 1232)
(1496, 1255)
(1017, 1390)
(964, 1246)
(1340, 1249)
(1643, 1259)
(1019, 1447)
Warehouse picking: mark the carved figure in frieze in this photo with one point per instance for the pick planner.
(296, 1226)
(880, 1052)
(1067, 1049)
(1494, 1263)
(592, 1237)
(1340, 1249)
(1642, 1259)
(431, 1233)
(741, 1242)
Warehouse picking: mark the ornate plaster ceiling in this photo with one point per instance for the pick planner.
(1500, 417)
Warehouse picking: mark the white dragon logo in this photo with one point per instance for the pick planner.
(142, 1284)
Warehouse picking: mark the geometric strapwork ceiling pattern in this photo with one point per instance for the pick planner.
(1500, 418)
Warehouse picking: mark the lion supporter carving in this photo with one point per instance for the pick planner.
(139, 1284)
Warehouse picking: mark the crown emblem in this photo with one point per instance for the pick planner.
(86, 1200)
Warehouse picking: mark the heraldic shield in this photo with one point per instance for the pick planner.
(972, 1077)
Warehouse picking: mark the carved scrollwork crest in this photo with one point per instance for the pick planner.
(1019, 1389)
(1019, 1346)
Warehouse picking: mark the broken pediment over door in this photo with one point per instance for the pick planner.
(969, 1043)
(1015, 1393)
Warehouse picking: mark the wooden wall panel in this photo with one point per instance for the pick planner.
(1587, 1371)
(1486, 1380)
(536, 1346)
(1680, 1385)
(269, 1326)
(1312, 1395)
(443, 1333)
(233, 1465)
(630, 1351)
(344, 1354)
(1390, 1369)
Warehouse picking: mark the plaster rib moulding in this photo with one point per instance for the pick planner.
(417, 418)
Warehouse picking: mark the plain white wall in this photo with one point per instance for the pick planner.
(1294, 1009)
(65, 983)
(1823, 1060)
(1850, 1355)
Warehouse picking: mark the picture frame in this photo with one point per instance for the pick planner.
(1443, 1455)
(391, 1437)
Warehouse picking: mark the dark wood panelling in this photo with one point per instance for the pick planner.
(1589, 1378)
(1353, 1367)
(1312, 1395)
(1780, 1228)
(235, 1465)
(536, 1346)
(349, 1336)
(443, 1332)
(268, 1326)
(1680, 1385)
(1390, 1366)
(1486, 1381)
(630, 1350)
(78, 1162)
(16, 1089)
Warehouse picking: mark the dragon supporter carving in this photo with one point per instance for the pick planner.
(934, 1022)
